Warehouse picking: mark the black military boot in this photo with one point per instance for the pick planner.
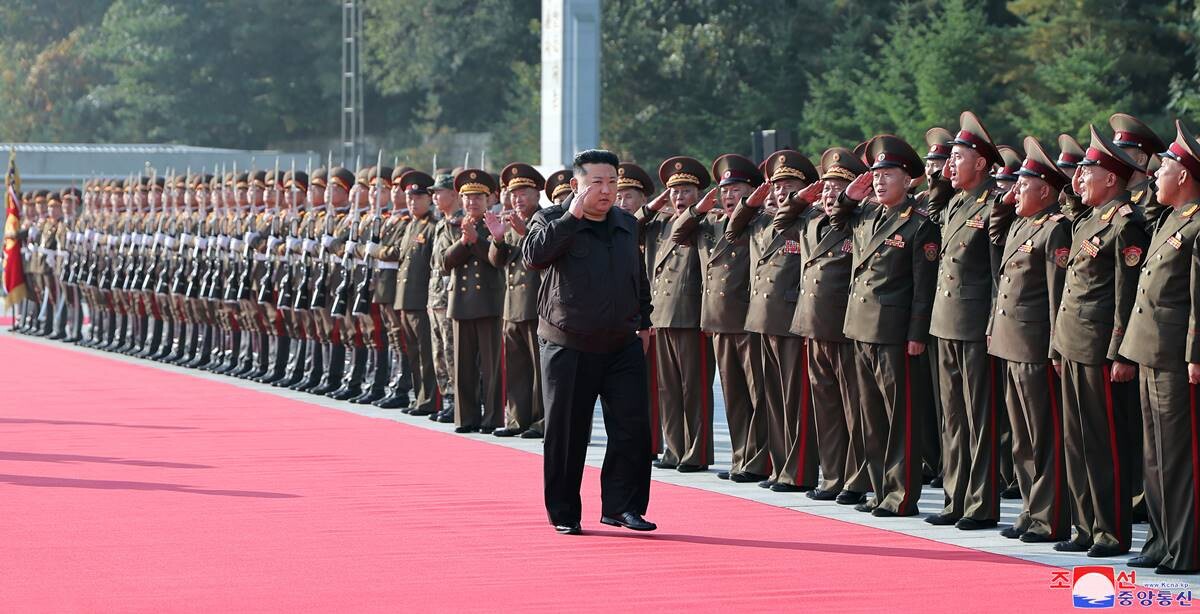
(335, 366)
(246, 360)
(278, 369)
(353, 379)
(166, 345)
(262, 358)
(232, 360)
(378, 382)
(314, 367)
(186, 348)
(154, 334)
(204, 336)
(293, 370)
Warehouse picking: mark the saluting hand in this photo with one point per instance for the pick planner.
(811, 192)
(659, 201)
(860, 188)
(707, 203)
(577, 202)
(759, 196)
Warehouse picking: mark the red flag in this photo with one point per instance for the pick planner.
(14, 268)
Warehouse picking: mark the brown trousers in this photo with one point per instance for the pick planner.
(1098, 459)
(1171, 453)
(739, 361)
(477, 373)
(522, 377)
(970, 446)
(418, 345)
(685, 378)
(890, 431)
(1034, 401)
(792, 435)
(840, 443)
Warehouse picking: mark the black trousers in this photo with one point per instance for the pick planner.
(571, 382)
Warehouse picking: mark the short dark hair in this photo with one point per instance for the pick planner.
(594, 156)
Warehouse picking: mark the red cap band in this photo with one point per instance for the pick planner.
(1109, 163)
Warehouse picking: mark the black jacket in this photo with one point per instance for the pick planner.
(595, 294)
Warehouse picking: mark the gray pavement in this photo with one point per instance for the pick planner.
(930, 502)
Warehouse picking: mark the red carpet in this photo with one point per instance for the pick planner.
(127, 488)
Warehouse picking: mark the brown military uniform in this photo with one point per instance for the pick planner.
(414, 258)
(522, 367)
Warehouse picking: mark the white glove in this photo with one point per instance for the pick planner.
(327, 241)
(202, 243)
(309, 246)
(373, 249)
(292, 244)
(350, 245)
(223, 241)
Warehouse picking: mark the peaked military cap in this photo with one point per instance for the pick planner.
(972, 134)
(891, 151)
(416, 182)
(559, 183)
(341, 176)
(939, 141)
(734, 168)
(1109, 156)
(683, 170)
(632, 176)
(841, 163)
(474, 181)
(521, 175)
(790, 164)
(1012, 162)
(1129, 131)
(298, 179)
(1039, 164)
(1071, 152)
(1184, 150)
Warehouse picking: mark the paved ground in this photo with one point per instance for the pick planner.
(931, 498)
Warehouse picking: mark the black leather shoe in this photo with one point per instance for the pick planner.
(568, 529)
(421, 412)
(1012, 532)
(532, 434)
(691, 468)
(506, 432)
(785, 487)
(445, 418)
(1142, 561)
(1167, 571)
(487, 430)
(659, 464)
(722, 475)
(971, 524)
(818, 494)
(465, 429)
(936, 483)
(883, 512)
(1099, 551)
(942, 520)
(864, 507)
(1070, 545)
(766, 483)
(391, 402)
(744, 478)
(1012, 492)
(629, 520)
(1033, 537)
(849, 497)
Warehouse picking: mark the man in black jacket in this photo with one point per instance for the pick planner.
(593, 306)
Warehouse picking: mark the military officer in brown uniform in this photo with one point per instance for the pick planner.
(892, 281)
(476, 302)
(1109, 246)
(683, 353)
(738, 354)
(558, 186)
(522, 371)
(1032, 272)
(825, 260)
(774, 290)
(970, 448)
(1162, 340)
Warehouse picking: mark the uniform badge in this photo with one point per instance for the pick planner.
(896, 241)
(420, 238)
(975, 222)
(1061, 255)
(1126, 210)
(931, 251)
(1026, 247)
(1175, 241)
(1132, 255)
(791, 247)
(847, 246)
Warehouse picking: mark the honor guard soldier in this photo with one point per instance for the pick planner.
(774, 291)
(1109, 246)
(726, 274)
(683, 353)
(892, 279)
(391, 235)
(826, 255)
(475, 304)
(522, 187)
(1032, 270)
(1162, 340)
(334, 231)
(970, 450)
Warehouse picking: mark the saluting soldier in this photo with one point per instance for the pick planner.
(449, 208)
(892, 280)
(522, 188)
(726, 275)
(970, 449)
(475, 303)
(683, 353)
(1162, 339)
(939, 141)
(1032, 271)
(1109, 245)
(1070, 155)
(826, 255)
(774, 291)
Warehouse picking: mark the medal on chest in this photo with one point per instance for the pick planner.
(1026, 247)
(896, 241)
(791, 247)
(1092, 247)
(1176, 241)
